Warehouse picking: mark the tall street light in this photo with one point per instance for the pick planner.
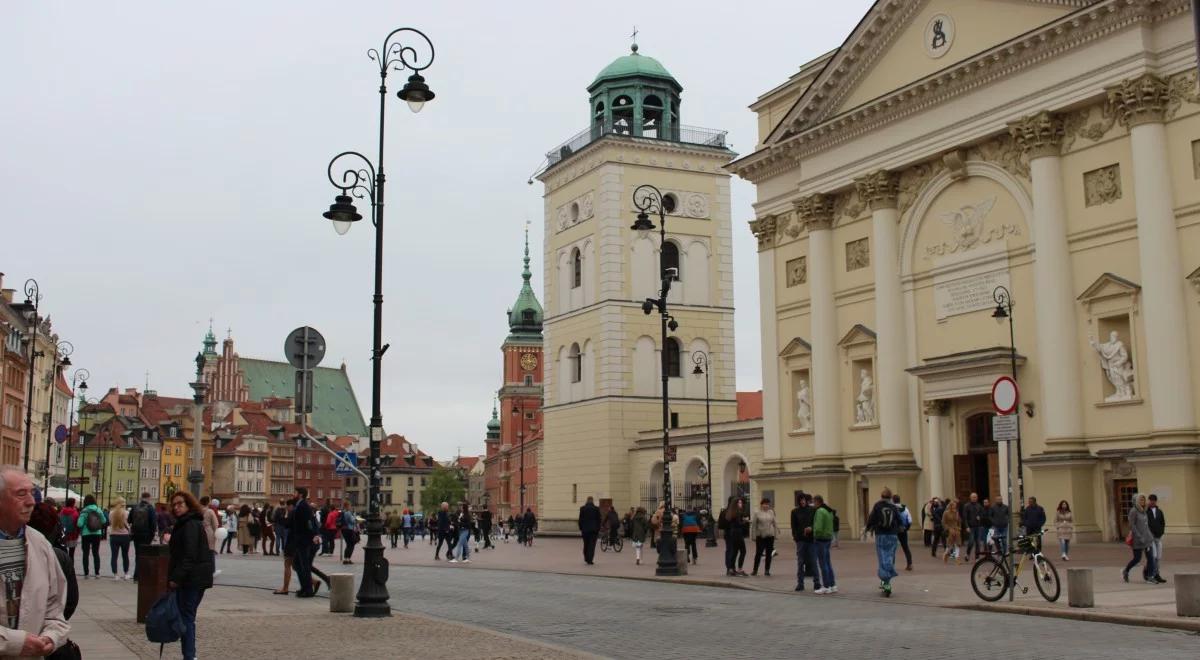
(520, 414)
(1004, 308)
(29, 309)
(648, 199)
(78, 381)
(363, 178)
(700, 359)
(61, 356)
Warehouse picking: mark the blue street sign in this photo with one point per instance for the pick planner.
(60, 434)
(342, 468)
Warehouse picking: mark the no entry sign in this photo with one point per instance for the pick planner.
(1005, 395)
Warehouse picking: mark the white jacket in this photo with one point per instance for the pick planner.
(43, 594)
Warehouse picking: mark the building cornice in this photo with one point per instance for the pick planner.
(587, 159)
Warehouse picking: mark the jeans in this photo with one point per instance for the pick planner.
(885, 553)
(189, 601)
(91, 545)
(902, 537)
(348, 544)
(1064, 547)
(1157, 548)
(806, 561)
(327, 541)
(1000, 538)
(1151, 568)
(763, 545)
(464, 544)
(978, 540)
(118, 544)
(689, 546)
(823, 560)
(227, 544)
(281, 534)
(302, 559)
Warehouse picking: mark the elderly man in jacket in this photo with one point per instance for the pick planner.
(34, 584)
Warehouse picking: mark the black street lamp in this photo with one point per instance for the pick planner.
(649, 199)
(1004, 307)
(520, 413)
(61, 357)
(700, 359)
(368, 180)
(30, 310)
(78, 380)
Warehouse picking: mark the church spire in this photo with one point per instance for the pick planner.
(525, 317)
(210, 341)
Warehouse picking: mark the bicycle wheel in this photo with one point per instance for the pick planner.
(619, 545)
(989, 579)
(1047, 578)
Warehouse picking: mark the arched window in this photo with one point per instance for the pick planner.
(576, 359)
(652, 114)
(576, 268)
(622, 114)
(672, 348)
(670, 258)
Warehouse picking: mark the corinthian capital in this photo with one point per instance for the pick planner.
(1039, 135)
(764, 231)
(880, 190)
(1142, 100)
(815, 211)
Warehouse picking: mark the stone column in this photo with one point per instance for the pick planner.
(1054, 293)
(935, 414)
(816, 212)
(1141, 105)
(764, 230)
(881, 190)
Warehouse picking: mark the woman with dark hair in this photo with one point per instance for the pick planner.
(734, 524)
(45, 519)
(190, 570)
(765, 529)
(464, 523)
(1064, 525)
(68, 517)
(92, 521)
(245, 517)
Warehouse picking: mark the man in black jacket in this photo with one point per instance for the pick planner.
(443, 532)
(1158, 525)
(976, 525)
(589, 527)
(885, 521)
(999, 521)
(485, 528)
(1033, 519)
(806, 550)
(302, 536)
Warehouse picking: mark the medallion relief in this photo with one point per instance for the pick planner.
(969, 229)
(858, 254)
(576, 211)
(797, 271)
(1102, 186)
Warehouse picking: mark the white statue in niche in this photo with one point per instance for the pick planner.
(803, 407)
(864, 411)
(1114, 359)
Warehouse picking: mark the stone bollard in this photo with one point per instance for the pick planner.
(1079, 588)
(1187, 594)
(341, 592)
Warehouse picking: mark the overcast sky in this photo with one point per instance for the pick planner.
(164, 163)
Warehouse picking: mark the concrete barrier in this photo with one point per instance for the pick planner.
(1187, 594)
(341, 592)
(1080, 588)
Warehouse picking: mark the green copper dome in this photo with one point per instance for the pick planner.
(525, 317)
(634, 65)
(493, 425)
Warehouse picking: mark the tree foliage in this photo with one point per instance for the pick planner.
(444, 486)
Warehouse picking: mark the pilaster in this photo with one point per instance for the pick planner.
(816, 213)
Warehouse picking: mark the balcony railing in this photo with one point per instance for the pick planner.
(704, 137)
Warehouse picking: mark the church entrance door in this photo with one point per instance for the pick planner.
(978, 471)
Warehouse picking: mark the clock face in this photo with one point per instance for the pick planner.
(528, 361)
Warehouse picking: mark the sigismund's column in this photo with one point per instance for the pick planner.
(816, 212)
(1141, 106)
(881, 190)
(1040, 135)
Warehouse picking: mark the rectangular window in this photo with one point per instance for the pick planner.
(239, 485)
(178, 470)
(320, 493)
(129, 486)
(145, 473)
(74, 462)
(410, 498)
(574, 493)
(387, 482)
(528, 381)
(410, 482)
(674, 420)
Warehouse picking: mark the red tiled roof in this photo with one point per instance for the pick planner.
(61, 384)
(154, 411)
(749, 405)
(343, 442)
(467, 462)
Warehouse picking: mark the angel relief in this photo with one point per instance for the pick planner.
(969, 229)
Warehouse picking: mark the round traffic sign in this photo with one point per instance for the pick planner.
(304, 348)
(60, 434)
(1005, 395)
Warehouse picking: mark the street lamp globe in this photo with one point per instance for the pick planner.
(343, 213)
(415, 93)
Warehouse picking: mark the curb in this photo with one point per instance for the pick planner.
(695, 582)
(1188, 625)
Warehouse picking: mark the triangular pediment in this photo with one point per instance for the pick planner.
(1109, 285)
(888, 49)
(796, 347)
(1194, 278)
(859, 334)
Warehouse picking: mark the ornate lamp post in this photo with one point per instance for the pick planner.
(700, 359)
(29, 309)
(519, 413)
(648, 199)
(364, 179)
(62, 358)
(78, 380)
(1004, 307)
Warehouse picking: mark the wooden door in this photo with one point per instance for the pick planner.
(962, 477)
(1123, 492)
(993, 468)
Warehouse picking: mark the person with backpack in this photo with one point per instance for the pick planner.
(885, 522)
(465, 523)
(91, 531)
(143, 524)
(118, 538)
(639, 528)
(347, 522)
(902, 537)
(68, 518)
(190, 567)
(689, 526)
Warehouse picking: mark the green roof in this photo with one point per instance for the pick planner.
(335, 408)
(519, 326)
(493, 425)
(633, 65)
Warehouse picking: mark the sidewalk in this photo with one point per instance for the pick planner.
(929, 583)
(237, 622)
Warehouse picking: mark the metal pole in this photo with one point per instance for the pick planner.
(50, 420)
(668, 563)
(1012, 339)
(31, 285)
(521, 442)
(712, 530)
(1196, 27)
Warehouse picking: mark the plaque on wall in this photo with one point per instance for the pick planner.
(968, 294)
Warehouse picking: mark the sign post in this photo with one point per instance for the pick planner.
(1006, 427)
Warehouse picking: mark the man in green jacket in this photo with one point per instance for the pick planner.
(823, 537)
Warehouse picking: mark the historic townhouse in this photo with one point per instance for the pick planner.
(948, 149)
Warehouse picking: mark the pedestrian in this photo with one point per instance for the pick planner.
(231, 528)
(885, 523)
(91, 530)
(265, 520)
(392, 523)
(734, 524)
(952, 524)
(119, 538)
(1033, 519)
(612, 525)
(639, 527)
(289, 550)
(211, 523)
(589, 527)
(999, 513)
(303, 538)
(973, 515)
(822, 529)
(936, 511)
(764, 528)
(689, 527)
(68, 517)
(407, 523)
(655, 526)
(143, 525)
(190, 568)
(1141, 540)
(279, 523)
(927, 521)
(1064, 526)
(1158, 525)
(35, 586)
(464, 522)
(45, 519)
(329, 522)
(443, 531)
(485, 527)
(245, 518)
(902, 537)
(802, 535)
(348, 526)
(529, 524)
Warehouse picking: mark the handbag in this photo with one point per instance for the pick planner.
(68, 651)
(1129, 539)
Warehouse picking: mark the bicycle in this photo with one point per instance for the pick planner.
(990, 578)
(606, 543)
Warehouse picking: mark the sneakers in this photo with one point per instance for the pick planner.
(822, 591)
(832, 590)
(887, 589)
(453, 561)
(1151, 580)
(1160, 579)
(1125, 575)
(118, 577)
(466, 561)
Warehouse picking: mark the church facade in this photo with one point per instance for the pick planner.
(954, 164)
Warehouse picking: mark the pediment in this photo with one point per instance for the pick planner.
(1194, 278)
(1109, 285)
(887, 50)
(859, 334)
(795, 348)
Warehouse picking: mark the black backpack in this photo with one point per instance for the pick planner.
(94, 521)
(139, 521)
(890, 520)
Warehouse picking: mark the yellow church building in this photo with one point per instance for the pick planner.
(958, 162)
